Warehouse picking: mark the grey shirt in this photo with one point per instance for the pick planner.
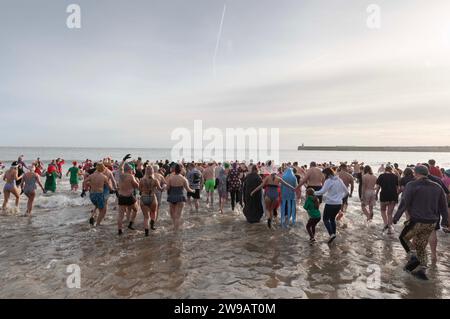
(425, 202)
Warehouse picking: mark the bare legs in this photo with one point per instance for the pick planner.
(222, 201)
(210, 196)
(31, 197)
(387, 210)
(6, 195)
(130, 211)
(270, 206)
(101, 215)
(175, 212)
(146, 213)
(367, 212)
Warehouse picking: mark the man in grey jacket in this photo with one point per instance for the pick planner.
(425, 201)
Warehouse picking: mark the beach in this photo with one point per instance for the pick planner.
(213, 256)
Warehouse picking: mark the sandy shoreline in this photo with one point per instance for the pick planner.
(214, 256)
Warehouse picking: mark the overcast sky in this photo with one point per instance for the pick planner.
(136, 70)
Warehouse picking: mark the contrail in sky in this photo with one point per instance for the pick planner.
(219, 35)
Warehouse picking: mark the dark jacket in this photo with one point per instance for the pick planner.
(425, 201)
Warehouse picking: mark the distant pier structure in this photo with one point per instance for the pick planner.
(424, 149)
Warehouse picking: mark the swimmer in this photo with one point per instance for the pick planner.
(210, 182)
(96, 182)
(334, 191)
(158, 175)
(149, 204)
(368, 192)
(11, 177)
(127, 200)
(175, 185)
(195, 178)
(29, 181)
(312, 208)
(271, 195)
(389, 184)
(75, 173)
(349, 181)
(313, 178)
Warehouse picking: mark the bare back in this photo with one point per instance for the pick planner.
(314, 177)
(11, 175)
(97, 181)
(127, 184)
(346, 178)
(368, 182)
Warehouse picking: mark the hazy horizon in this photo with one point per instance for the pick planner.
(136, 70)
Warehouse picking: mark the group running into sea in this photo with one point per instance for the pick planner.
(420, 193)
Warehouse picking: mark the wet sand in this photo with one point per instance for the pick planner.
(214, 256)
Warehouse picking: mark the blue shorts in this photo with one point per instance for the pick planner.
(106, 193)
(98, 199)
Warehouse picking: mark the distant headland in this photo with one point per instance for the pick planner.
(433, 149)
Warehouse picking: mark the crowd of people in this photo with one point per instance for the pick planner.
(420, 192)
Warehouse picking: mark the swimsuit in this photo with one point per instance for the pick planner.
(175, 194)
(139, 174)
(30, 185)
(98, 199)
(147, 200)
(9, 187)
(272, 192)
(127, 200)
(369, 197)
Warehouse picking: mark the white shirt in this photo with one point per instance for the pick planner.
(334, 190)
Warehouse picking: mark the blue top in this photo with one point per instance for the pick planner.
(286, 192)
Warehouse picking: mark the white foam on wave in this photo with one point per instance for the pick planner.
(58, 201)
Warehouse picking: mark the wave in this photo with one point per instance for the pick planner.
(59, 201)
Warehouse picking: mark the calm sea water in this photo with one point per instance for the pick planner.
(8, 154)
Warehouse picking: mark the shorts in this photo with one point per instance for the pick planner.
(369, 198)
(210, 185)
(195, 195)
(127, 200)
(98, 199)
(139, 174)
(106, 193)
(317, 188)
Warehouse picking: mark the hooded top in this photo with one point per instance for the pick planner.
(222, 179)
(289, 177)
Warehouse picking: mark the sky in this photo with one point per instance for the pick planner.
(137, 70)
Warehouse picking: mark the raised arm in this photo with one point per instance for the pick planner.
(122, 164)
(285, 183)
(263, 183)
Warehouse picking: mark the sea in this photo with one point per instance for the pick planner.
(8, 154)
